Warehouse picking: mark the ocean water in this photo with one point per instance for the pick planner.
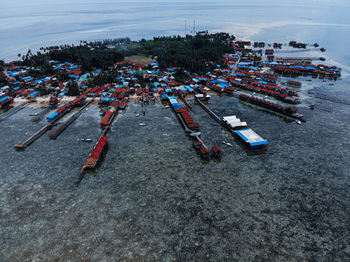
(29, 25)
(152, 198)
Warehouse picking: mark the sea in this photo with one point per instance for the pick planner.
(152, 197)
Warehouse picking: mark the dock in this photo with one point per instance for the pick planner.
(210, 112)
(38, 117)
(14, 110)
(191, 129)
(236, 127)
(94, 157)
(251, 138)
(329, 98)
(185, 101)
(97, 153)
(61, 128)
(34, 137)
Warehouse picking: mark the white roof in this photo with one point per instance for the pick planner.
(201, 95)
(251, 135)
(234, 121)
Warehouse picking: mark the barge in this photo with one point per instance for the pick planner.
(250, 138)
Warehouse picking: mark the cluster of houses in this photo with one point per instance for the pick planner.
(243, 70)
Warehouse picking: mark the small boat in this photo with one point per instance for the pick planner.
(86, 139)
(298, 121)
(137, 115)
(142, 124)
(214, 124)
(165, 107)
(194, 134)
(35, 114)
(227, 143)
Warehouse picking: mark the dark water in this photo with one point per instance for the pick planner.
(153, 199)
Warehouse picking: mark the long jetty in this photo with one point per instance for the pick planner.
(45, 110)
(14, 110)
(61, 128)
(34, 137)
(210, 112)
(329, 98)
(185, 101)
(232, 124)
(95, 155)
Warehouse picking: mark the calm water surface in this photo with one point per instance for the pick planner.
(152, 198)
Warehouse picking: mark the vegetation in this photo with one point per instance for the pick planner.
(73, 89)
(198, 53)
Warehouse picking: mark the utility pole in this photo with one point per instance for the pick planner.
(194, 26)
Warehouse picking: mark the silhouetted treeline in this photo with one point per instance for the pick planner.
(194, 53)
(86, 56)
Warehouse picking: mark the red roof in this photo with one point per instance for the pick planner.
(204, 151)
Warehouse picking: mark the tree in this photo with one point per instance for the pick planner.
(73, 89)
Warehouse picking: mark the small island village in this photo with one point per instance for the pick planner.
(264, 76)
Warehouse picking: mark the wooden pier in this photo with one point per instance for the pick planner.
(34, 137)
(14, 110)
(61, 128)
(210, 112)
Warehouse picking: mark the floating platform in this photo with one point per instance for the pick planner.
(251, 138)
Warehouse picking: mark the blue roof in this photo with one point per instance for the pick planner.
(73, 67)
(52, 116)
(34, 93)
(4, 98)
(74, 76)
(241, 135)
(86, 75)
(265, 142)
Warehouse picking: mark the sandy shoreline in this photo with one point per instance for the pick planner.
(44, 100)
